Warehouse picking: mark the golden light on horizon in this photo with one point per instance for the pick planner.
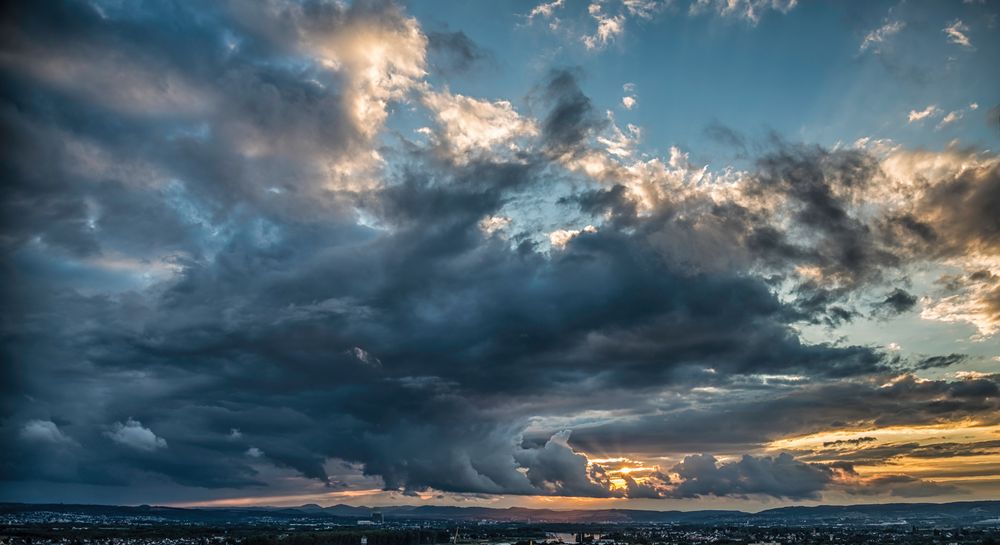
(960, 432)
(628, 470)
(924, 452)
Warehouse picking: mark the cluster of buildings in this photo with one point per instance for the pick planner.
(44, 527)
(376, 519)
(839, 535)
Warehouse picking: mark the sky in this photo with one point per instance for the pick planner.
(678, 254)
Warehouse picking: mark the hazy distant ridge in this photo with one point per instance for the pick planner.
(957, 513)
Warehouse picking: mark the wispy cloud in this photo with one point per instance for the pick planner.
(957, 33)
(956, 115)
(748, 10)
(545, 9)
(874, 39)
(920, 115)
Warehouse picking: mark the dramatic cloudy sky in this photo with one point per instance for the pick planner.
(632, 253)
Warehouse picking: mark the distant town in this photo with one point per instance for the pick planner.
(955, 523)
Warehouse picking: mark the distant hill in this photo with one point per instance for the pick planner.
(923, 514)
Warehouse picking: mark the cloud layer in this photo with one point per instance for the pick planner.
(220, 266)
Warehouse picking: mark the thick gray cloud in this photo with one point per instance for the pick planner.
(571, 117)
(455, 52)
(854, 442)
(736, 423)
(896, 302)
(940, 361)
(780, 476)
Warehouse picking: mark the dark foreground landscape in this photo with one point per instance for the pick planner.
(959, 523)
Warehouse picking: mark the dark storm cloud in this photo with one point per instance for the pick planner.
(850, 442)
(812, 178)
(597, 202)
(951, 218)
(264, 334)
(727, 136)
(455, 52)
(780, 476)
(993, 118)
(948, 450)
(896, 302)
(556, 465)
(963, 211)
(735, 424)
(52, 196)
(653, 488)
(825, 229)
(783, 476)
(891, 452)
(571, 116)
(932, 362)
(820, 229)
(200, 140)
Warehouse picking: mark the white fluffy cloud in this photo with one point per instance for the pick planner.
(44, 431)
(366, 357)
(610, 17)
(608, 27)
(383, 59)
(469, 126)
(561, 237)
(132, 434)
(493, 224)
(629, 100)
